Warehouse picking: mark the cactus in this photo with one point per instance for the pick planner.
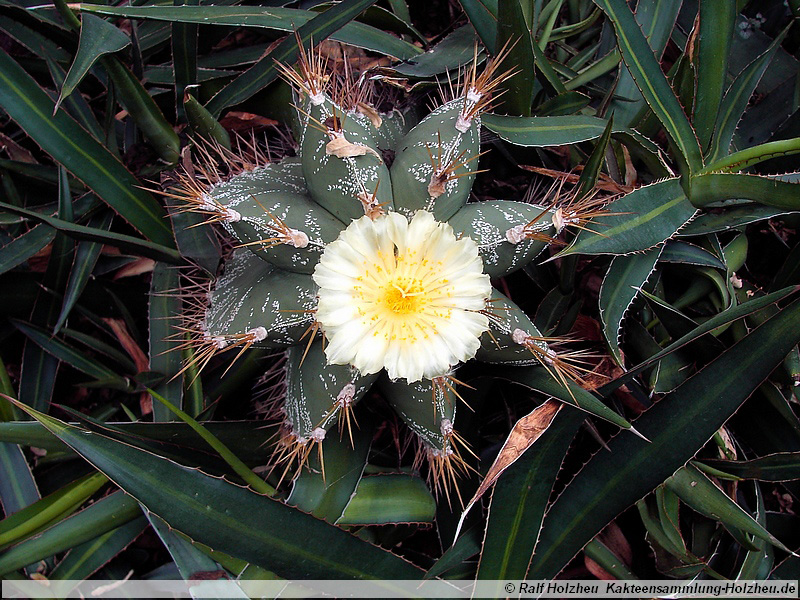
(389, 263)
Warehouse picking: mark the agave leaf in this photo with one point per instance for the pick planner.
(454, 51)
(668, 505)
(189, 559)
(736, 99)
(684, 253)
(657, 19)
(591, 170)
(241, 469)
(781, 466)
(71, 145)
(281, 19)
(37, 515)
(249, 437)
(699, 492)
(512, 30)
(184, 57)
(86, 255)
(724, 318)
(556, 131)
(82, 232)
(538, 379)
(104, 515)
(164, 316)
(325, 550)
(624, 278)
(670, 371)
(715, 187)
(86, 558)
(519, 500)
(465, 547)
(758, 563)
(144, 111)
(20, 249)
(645, 218)
(652, 82)
(713, 49)
(730, 218)
(17, 485)
(98, 37)
(678, 426)
(389, 498)
(316, 27)
(62, 351)
(752, 156)
(483, 16)
(39, 368)
(607, 560)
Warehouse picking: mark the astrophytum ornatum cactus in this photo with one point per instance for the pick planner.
(364, 259)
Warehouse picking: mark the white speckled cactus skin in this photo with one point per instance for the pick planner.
(284, 214)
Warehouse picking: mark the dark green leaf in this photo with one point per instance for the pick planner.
(553, 131)
(685, 253)
(69, 144)
(483, 16)
(454, 51)
(69, 355)
(98, 518)
(678, 426)
(645, 218)
(716, 187)
(700, 493)
(625, 276)
(98, 37)
(652, 83)
(722, 319)
(736, 99)
(513, 33)
(165, 355)
(86, 255)
(316, 28)
(540, 380)
(729, 218)
(200, 506)
(84, 559)
(519, 501)
(784, 466)
(713, 48)
(25, 246)
(82, 232)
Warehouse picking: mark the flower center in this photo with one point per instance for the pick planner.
(403, 297)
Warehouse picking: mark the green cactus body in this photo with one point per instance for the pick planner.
(255, 298)
(318, 393)
(509, 234)
(268, 210)
(392, 267)
(427, 409)
(432, 169)
(512, 337)
(391, 130)
(342, 184)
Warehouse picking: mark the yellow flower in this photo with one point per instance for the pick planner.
(401, 295)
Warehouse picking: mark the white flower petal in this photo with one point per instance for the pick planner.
(401, 295)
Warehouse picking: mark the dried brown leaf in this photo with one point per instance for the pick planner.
(342, 148)
(523, 435)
